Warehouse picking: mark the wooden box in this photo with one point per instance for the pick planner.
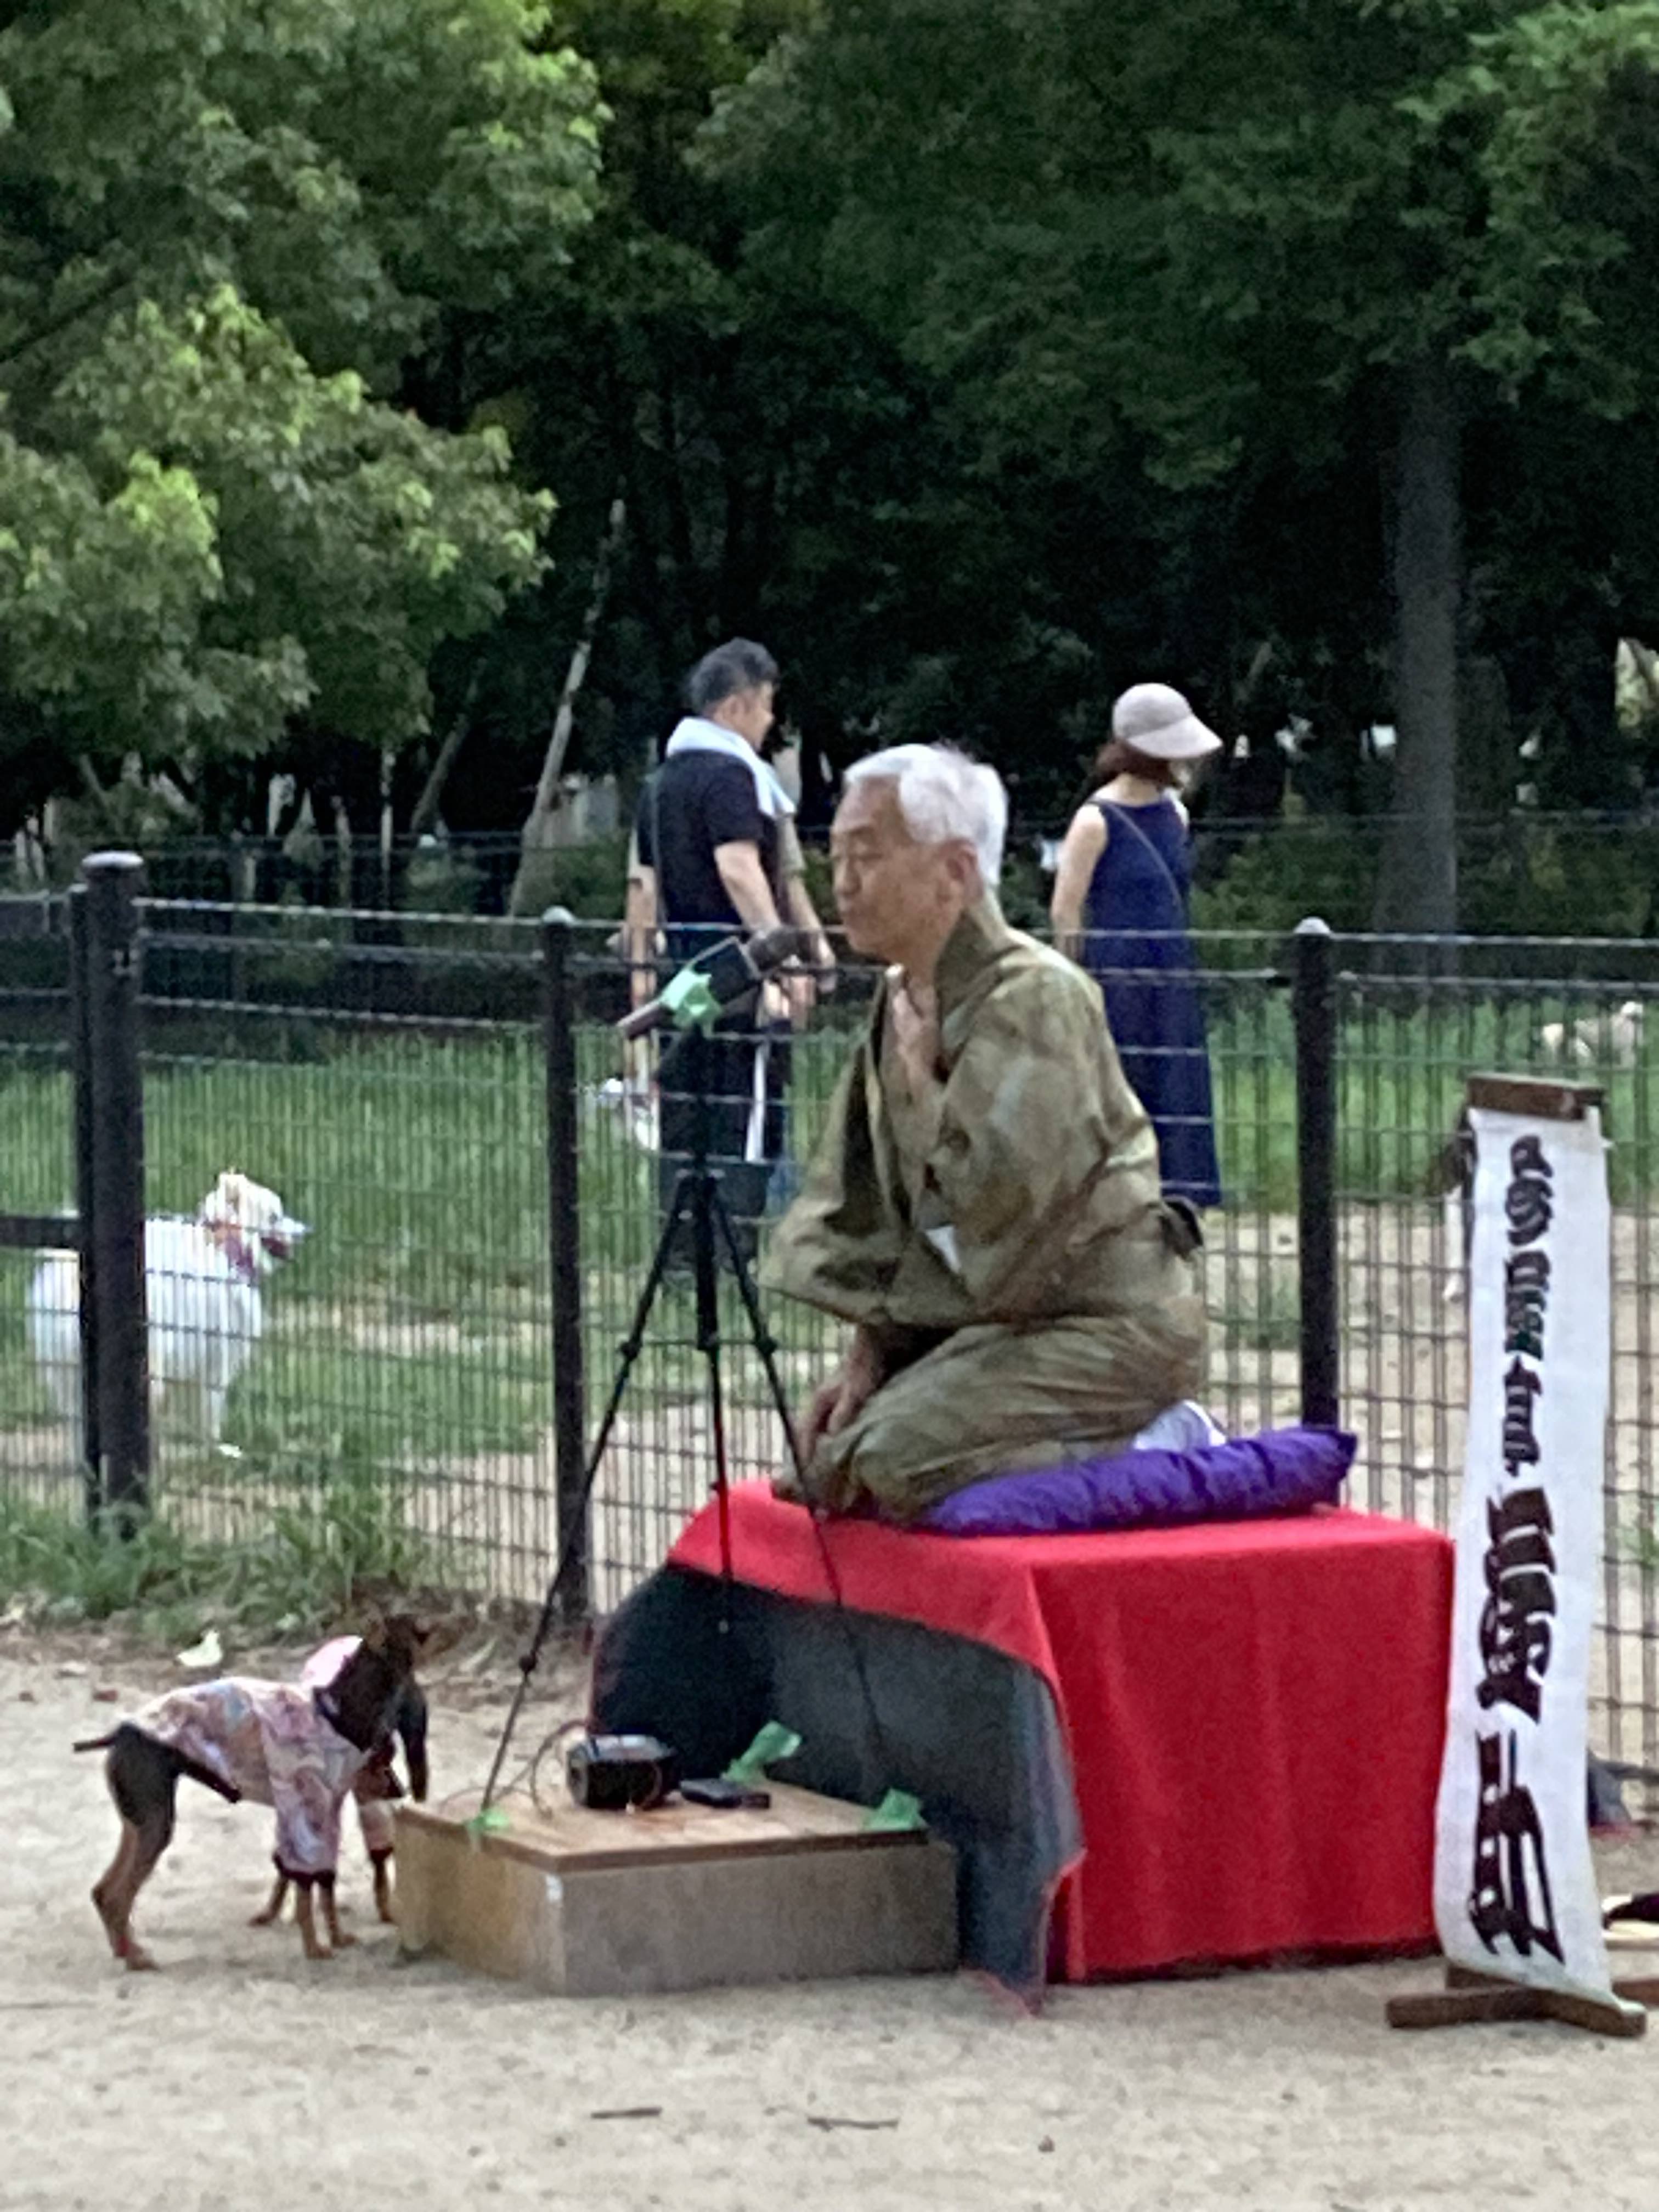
(585, 1904)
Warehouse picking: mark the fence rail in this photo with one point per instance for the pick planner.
(434, 1097)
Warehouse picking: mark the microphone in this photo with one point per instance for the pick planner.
(728, 971)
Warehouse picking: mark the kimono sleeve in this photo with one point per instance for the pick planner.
(839, 1244)
(1034, 1109)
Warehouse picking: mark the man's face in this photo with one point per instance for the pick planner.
(749, 713)
(893, 896)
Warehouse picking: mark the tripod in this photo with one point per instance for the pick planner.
(697, 1195)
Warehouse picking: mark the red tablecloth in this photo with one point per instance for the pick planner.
(1255, 1710)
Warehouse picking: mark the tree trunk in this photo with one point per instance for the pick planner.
(432, 791)
(537, 830)
(1417, 887)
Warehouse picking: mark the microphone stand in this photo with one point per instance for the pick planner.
(696, 1194)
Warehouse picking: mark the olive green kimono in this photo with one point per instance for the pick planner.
(1033, 1298)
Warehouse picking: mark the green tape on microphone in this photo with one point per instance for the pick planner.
(687, 999)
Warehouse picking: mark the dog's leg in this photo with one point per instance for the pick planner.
(143, 1780)
(111, 1885)
(307, 1919)
(375, 1821)
(337, 1935)
(213, 1419)
(153, 1839)
(304, 1913)
(1452, 1230)
(274, 1904)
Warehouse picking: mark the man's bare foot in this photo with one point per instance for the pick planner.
(138, 1960)
(263, 1918)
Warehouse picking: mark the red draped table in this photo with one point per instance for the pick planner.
(1254, 1710)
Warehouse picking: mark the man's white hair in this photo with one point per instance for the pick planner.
(942, 795)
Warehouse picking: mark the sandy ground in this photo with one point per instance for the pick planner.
(241, 2077)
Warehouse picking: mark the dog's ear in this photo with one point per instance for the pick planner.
(409, 1641)
(226, 1200)
(439, 1633)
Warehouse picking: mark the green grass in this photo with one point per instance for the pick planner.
(306, 1568)
(410, 1340)
(1402, 1074)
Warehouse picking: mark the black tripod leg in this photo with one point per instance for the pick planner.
(633, 1344)
(708, 1209)
(765, 1344)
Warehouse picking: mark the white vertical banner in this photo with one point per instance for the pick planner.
(1515, 1890)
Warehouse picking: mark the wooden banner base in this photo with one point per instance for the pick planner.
(1469, 1996)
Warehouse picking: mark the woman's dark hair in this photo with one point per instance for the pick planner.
(1119, 757)
(737, 665)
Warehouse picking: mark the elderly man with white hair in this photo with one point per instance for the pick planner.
(984, 1206)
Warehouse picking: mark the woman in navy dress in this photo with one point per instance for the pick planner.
(1119, 906)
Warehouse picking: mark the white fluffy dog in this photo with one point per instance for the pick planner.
(201, 1289)
(1616, 1038)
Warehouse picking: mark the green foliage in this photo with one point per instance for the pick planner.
(221, 232)
(982, 358)
(586, 879)
(1541, 878)
(1207, 251)
(1282, 876)
(306, 1571)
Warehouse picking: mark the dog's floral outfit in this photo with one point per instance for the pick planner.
(269, 1742)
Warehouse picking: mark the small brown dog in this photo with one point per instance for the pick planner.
(296, 1750)
(376, 1785)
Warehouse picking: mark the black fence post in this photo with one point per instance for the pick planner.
(565, 1258)
(85, 1200)
(1313, 988)
(117, 1160)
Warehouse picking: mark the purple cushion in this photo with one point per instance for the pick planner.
(1281, 1471)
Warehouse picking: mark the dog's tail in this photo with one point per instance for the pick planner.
(182, 1764)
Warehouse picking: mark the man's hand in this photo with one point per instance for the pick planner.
(913, 1011)
(844, 1395)
(821, 958)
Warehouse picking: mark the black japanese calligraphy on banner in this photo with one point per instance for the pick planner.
(1511, 1895)
(1526, 1298)
(1519, 1563)
(1514, 1621)
(1514, 1888)
(1528, 1202)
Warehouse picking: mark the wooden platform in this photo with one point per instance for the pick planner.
(584, 1904)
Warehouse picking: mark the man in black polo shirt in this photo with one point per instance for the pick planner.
(716, 856)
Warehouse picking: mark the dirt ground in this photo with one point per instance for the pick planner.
(241, 2077)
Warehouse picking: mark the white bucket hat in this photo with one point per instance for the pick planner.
(1157, 720)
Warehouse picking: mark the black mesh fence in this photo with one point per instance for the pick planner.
(1417, 1017)
(38, 1357)
(386, 1080)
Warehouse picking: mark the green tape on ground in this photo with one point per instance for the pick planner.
(773, 1743)
(897, 1810)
